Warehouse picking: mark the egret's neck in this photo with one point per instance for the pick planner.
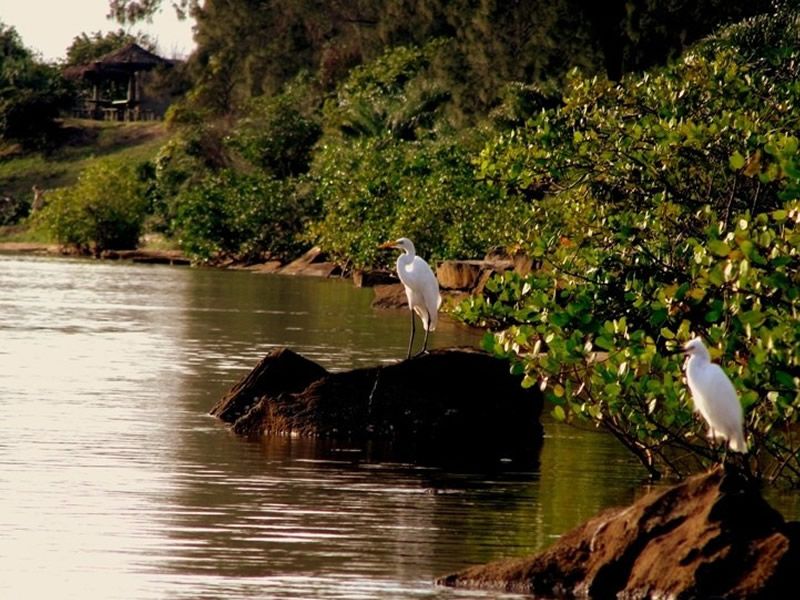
(405, 259)
(698, 359)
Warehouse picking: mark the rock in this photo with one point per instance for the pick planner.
(711, 536)
(460, 401)
(278, 372)
(373, 278)
(466, 274)
(521, 262)
(389, 296)
(312, 263)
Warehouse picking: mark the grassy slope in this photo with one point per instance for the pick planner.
(84, 140)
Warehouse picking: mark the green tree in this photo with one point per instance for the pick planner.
(31, 94)
(86, 48)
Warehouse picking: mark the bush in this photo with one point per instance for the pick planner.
(663, 207)
(372, 190)
(247, 217)
(276, 136)
(388, 166)
(104, 210)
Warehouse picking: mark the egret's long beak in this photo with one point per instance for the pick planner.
(387, 246)
(679, 350)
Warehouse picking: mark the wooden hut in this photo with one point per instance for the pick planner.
(118, 70)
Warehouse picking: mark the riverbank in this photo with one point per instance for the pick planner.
(457, 278)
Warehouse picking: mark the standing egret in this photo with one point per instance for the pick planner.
(714, 396)
(422, 288)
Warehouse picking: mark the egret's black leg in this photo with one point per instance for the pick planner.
(411, 340)
(424, 349)
(427, 331)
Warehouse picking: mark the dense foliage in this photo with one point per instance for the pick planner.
(667, 207)
(234, 215)
(385, 168)
(86, 48)
(248, 48)
(105, 210)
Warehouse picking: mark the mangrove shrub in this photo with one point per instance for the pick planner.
(663, 207)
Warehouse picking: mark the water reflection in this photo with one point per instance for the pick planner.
(114, 483)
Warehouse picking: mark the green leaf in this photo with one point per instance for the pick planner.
(779, 215)
(719, 247)
(604, 342)
(736, 161)
(785, 379)
(559, 414)
(754, 318)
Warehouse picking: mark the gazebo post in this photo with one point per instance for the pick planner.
(132, 94)
(95, 100)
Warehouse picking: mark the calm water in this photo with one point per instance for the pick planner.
(114, 482)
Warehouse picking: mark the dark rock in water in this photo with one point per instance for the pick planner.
(711, 536)
(280, 371)
(462, 400)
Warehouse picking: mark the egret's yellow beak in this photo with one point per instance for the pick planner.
(387, 246)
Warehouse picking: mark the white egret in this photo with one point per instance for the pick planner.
(714, 396)
(422, 288)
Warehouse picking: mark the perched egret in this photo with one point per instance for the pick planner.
(714, 396)
(422, 288)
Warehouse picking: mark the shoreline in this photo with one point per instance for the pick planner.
(458, 279)
(171, 257)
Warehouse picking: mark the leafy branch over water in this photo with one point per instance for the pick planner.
(670, 209)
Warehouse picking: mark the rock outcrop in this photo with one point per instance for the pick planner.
(711, 536)
(461, 400)
(469, 274)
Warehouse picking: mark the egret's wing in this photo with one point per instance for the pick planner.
(427, 287)
(428, 284)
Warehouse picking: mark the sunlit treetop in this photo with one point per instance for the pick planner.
(131, 11)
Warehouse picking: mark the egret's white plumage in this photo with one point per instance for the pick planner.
(714, 396)
(421, 285)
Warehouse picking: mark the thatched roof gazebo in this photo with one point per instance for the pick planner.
(121, 68)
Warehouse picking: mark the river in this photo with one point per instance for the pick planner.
(115, 483)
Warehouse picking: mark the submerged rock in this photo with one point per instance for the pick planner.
(711, 536)
(461, 400)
